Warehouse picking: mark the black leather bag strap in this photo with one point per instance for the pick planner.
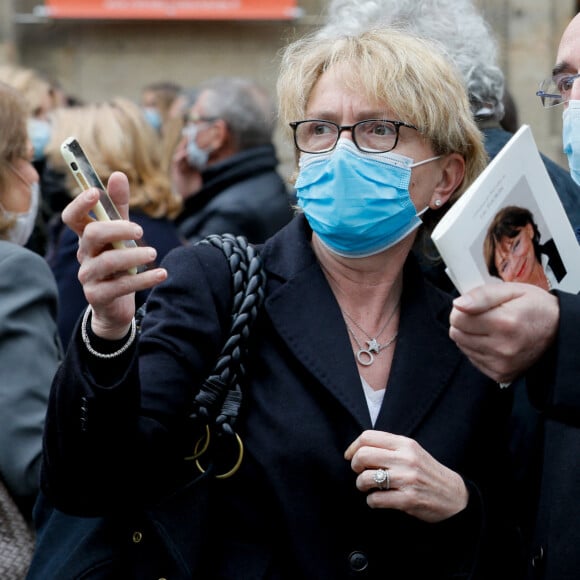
(216, 406)
(220, 396)
(219, 449)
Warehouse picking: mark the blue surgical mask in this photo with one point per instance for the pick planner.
(357, 203)
(196, 156)
(571, 138)
(153, 117)
(39, 133)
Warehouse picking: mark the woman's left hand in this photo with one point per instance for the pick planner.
(417, 483)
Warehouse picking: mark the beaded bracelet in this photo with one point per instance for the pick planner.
(85, 337)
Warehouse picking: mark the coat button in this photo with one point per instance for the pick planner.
(84, 413)
(358, 561)
(137, 537)
(538, 557)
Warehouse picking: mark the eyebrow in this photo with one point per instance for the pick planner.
(330, 116)
(561, 67)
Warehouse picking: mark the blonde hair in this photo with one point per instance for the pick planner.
(116, 137)
(36, 90)
(395, 70)
(14, 143)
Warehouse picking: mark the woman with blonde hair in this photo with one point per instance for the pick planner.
(29, 345)
(116, 137)
(372, 448)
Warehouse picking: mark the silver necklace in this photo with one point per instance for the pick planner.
(366, 356)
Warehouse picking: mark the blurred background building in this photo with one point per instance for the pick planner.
(96, 58)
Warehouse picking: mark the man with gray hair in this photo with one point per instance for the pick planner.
(227, 140)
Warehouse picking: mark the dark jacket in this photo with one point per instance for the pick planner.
(554, 390)
(30, 353)
(160, 233)
(555, 394)
(555, 262)
(243, 195)
(293, 510)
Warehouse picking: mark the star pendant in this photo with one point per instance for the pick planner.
(374, 346)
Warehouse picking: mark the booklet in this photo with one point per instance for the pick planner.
(509, 223)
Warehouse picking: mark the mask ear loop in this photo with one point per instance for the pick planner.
(420, 213)
(18, 173)
(437, 201)
(425, 161)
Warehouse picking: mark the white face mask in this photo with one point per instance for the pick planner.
(22, 229)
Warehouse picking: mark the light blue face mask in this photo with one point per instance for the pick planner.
(39, 133)
(571, 138)
(357, 203)
(196, 156)
(153, 117)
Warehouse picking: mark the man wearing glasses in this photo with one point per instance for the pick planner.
(228, 143)
(510, 329)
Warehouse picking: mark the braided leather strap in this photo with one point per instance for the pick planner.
(220, 396)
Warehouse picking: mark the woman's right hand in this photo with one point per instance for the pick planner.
(417, 483)
(104, 271)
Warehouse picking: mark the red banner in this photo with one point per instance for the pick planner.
(174, 9)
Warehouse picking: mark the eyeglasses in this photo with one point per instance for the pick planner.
(370, 136)
(556, 90)
(193, 119)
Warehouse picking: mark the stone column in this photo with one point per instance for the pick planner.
(8, 42)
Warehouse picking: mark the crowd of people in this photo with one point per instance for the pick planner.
(388, 426)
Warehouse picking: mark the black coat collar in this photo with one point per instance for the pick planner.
(306, 315)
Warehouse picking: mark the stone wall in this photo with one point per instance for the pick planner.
(99, 59)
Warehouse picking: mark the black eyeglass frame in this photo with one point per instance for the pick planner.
(352, 129)
(189, 120)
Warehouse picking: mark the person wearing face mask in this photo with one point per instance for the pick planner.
(30, 348)
(157, 99)
(468, 40)
(372, 447)
(39, 98)
(227, 142)
(516, 330)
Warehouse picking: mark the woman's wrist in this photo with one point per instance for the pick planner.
(106, 349)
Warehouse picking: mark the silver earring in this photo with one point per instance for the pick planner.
(437, 203)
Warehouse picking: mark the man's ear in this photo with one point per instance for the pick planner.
(452, 173)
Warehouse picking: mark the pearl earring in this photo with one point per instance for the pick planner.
(437, 203)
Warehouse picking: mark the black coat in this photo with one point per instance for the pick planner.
(293, 510)
(554, 389)
(243, 195)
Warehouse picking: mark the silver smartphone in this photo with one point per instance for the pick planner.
(86, 176)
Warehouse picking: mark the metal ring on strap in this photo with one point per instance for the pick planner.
(236, 466)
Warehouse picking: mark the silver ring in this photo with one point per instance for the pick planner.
(382, 479)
